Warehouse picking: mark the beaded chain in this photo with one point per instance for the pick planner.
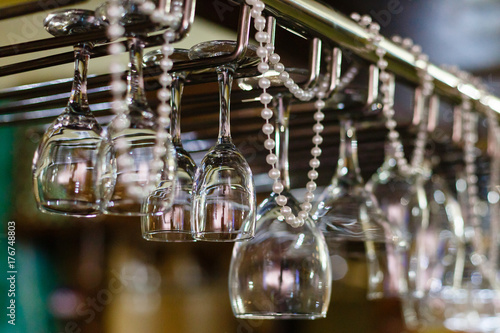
(427, 88)
(115, 11)
(121, 122)
(494, 181)
(469, 126)
(470, 140)
(347, 78)
(269, 58)
(494, 151)
(172, 20)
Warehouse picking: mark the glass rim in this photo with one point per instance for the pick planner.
(280, 315)
(245, 235)
(150, 236)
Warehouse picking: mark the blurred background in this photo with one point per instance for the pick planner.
(98, 275)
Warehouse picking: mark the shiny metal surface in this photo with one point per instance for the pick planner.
(314, 62)
(72, 21)
(313, 18)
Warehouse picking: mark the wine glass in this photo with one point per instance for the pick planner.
(163, 221)
(122, 170)
(348, 214)
(283, 272)
(466, 299)
(223, 189)
(458, 292)
(64, 165)
(402, 198)
(439, 252)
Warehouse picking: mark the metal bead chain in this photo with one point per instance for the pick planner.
(172, 20)
(494, 153)
(427, 87)
(270, 58)
(121, 122)
(347, 78)
(493, 148)
(470, 128)
(470, 140)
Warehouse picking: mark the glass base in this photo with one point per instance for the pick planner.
(121, 208)
(168, 236)
(223, 236)
(283, 316)
(70, 208)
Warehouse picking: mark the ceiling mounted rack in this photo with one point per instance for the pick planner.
(41, 102)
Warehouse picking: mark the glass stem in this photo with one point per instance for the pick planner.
(282, 105)
(225, 75)
(135, 81)
(175, 102)
(78, 101)
(348, 171)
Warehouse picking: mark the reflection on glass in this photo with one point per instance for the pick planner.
(283, 272)
(347, 213)
(139, 134)
(467, 299)
(164, 221)
(223, 190)
(64, 165)
(402, 199)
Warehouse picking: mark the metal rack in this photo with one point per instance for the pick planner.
(39, 102)
(306, 17)
(319, 20)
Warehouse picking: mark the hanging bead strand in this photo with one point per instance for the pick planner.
(493, 191)
(121, 122)
(470, 140)
(470, 135)
(427, 87)
(172, 20)
(269, 58)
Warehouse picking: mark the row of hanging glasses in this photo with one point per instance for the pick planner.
(405, 227)
(76, 170)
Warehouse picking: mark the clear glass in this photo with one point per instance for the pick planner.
(64, 165)
(283, 272)
(402, 199)
(163, 221)
(459, 293)
(494, 206)
(223, 189)
(116, 198)
(438, 248)
(347, 213)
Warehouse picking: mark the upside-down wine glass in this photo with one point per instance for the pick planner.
(348, 214)
(401, 196)
(467, 300)
(137, 129)
(395, 193)
(440, 252)
(283, 272)
(494, 197)
(64, 165)
(472, 302)
(163, 221)
(223, 189)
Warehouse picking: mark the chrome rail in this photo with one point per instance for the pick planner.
(309, 17)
